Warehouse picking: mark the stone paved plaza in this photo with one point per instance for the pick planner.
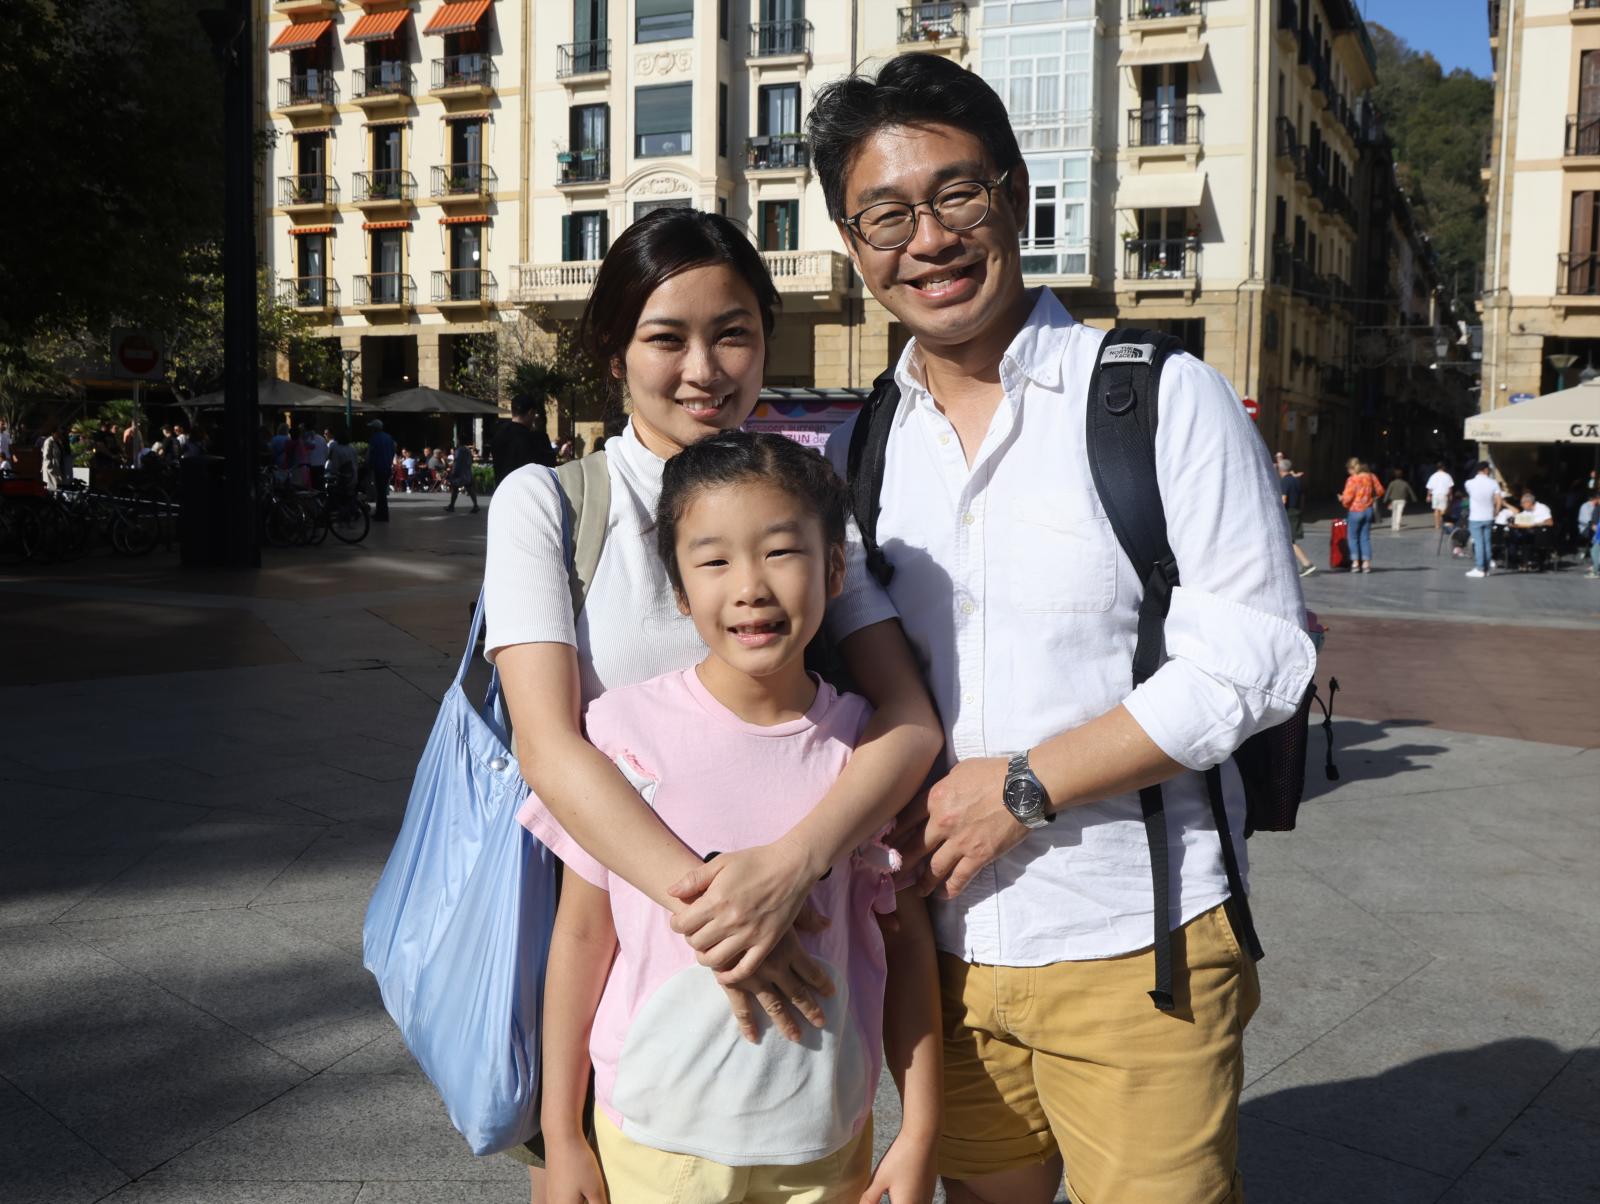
(201, 775)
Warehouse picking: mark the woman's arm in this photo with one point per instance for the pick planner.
(742, 903)
(912, 1049)
(582, 945)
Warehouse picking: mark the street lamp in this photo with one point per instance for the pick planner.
(1561, 361)
(1589, 373)
(350, 355)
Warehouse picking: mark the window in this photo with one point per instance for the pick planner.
(590, 127)
(1583, 243)
(780, 225)
(722, 120)
(311, 265)
(1163, 105)
(642, 208)
(661, 115)
(584, 236)
(386, 257)
(779, 109)
(1055, 238)
(466, 145)
(722, 19)
(1280, 220)
(663, 20)
(589, 20)
(466, 258)
(1046, 81)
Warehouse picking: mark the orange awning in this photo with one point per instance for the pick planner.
(373, 125)
(297, 35)
(305, 130)
(480, 115)
(457, 16)
(297, 231)
(466, 219)
(386, 225)
(375, 27)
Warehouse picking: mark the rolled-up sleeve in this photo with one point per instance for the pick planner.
(527, 594)
(1239, 658)
(863, 601)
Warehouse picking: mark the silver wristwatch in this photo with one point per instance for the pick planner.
(1025, 796)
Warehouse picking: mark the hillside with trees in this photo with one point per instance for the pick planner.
(1439, 122)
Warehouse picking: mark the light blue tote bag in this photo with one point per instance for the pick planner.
(458, 930)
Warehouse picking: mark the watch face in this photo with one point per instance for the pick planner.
(1021, 796)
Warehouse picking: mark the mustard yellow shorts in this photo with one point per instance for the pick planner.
(640, 1173)
(1073, 1059)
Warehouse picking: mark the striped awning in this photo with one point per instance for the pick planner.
(375, 27)
(298, 231)
(305, 130)
(457, 16)
(480, 115)
(383, 121)
(386, 225)
(465, 219)
(297, 35)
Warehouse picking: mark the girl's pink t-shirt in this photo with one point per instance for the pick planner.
(671, 1070)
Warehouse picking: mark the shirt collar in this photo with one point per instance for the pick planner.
(1035, 354)
(638, 460)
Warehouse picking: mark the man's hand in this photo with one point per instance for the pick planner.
(741, 904)
(967, 827)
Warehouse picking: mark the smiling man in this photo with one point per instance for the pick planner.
(1024, 612)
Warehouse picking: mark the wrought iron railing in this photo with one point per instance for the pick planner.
(464, 71)
(383, 79)
(464, 179)
(384, 184)
(1164, 125)
(780, 37)
(1150, 10)
(583, 58)
(308, 88)
(1288, 139)
(1578, 274)
(583, 166)
(385, 288)
(777, 150)
(1161, 258)
(308, 189)
(1583, 134)
(465, 284)
(309, 292)
(933, 22)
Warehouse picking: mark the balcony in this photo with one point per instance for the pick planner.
(308, 90)
(465, 286)
(1583, 135)
(386, 186)
(583, 167)
(566, 284)
(302, 192)
(1288, 140)
(1578, 275)
(1164, 126)
(309, 292)
(777, 152)
(291, 7)
(1586, 10)
(933, 23)
(1282, 272)
(464, 181)
(578, 59)
(382, 83)
(464, 75)
(1160, 10)
(776, 39)
(385, 290)
(1160, 265)
(809, 279)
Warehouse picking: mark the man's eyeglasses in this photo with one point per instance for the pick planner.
(890, 225)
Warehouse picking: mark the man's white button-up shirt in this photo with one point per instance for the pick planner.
(1024, 613)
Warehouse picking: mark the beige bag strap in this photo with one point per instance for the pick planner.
(586, 484)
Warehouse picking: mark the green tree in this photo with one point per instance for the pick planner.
(1439, 122)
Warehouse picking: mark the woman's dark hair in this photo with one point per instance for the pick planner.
(650, 252)
(732, 457)
(912, 89)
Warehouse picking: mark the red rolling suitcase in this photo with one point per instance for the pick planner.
(1339, 545)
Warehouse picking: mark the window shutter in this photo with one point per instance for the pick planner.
(605, 232)
(568, 238)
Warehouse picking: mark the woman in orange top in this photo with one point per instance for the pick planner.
(1360, 500)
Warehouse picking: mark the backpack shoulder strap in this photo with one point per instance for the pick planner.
(586, 485)
(869, 448)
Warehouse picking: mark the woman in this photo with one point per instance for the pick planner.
(679, 317)
(1360, 499)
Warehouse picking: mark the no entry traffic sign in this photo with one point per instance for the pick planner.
(1252, 407)
(135, 354)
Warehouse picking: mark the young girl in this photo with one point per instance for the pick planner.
(732, 753)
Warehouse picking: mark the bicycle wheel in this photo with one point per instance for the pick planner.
(282, 522)
(350, 521)
(134, 531)
(316, 507)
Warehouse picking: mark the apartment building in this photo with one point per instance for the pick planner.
(1541, 296)
(394, 178)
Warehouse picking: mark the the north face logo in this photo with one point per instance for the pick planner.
(1129, 353)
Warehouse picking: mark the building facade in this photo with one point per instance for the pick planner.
(442, 166)
(1541, 297)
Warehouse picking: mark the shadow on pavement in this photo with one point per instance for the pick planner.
(1355, 755)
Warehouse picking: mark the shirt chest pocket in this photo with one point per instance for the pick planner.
(1060, 555)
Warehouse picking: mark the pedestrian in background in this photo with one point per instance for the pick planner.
(1483, 501)
(1440, 487)
(461, 477)
(520, 439)
(1400, 492)
(380, 462)
(132, 443)
(1289, 484)
(1362, 492)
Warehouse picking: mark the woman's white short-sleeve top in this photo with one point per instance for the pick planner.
(630, 629)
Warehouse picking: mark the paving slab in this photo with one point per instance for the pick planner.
(1545, 1157)
(1282, 1165)
(334, 921)
(1576, 1090)
(170, 1191)
(43, 1162)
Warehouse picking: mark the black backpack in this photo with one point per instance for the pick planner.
(1121, 418)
